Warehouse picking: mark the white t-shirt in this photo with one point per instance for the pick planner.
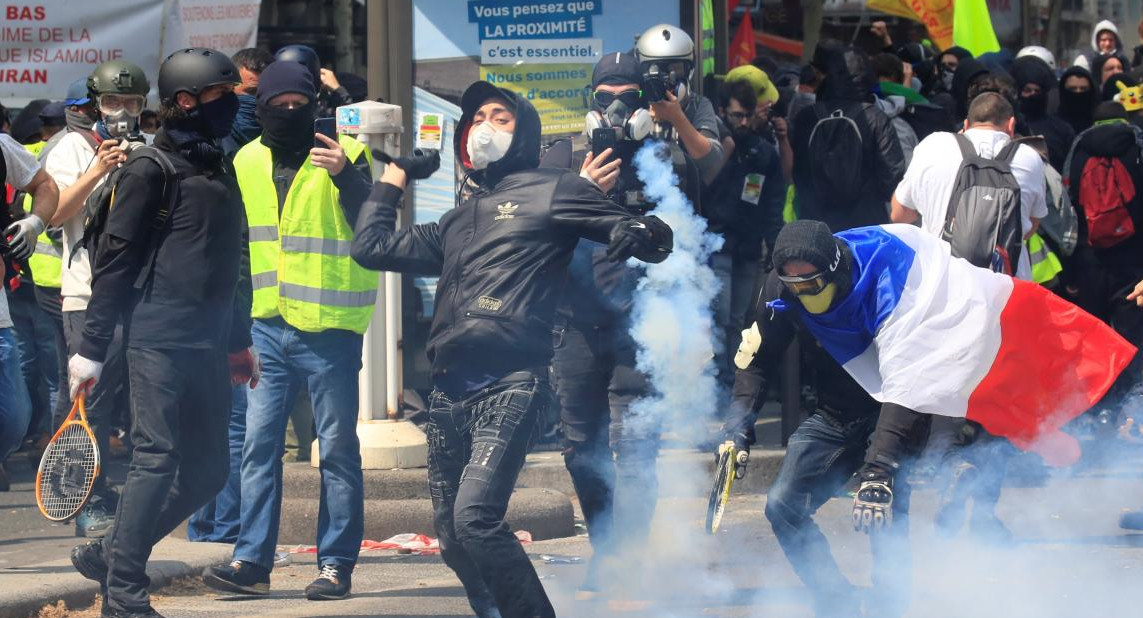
(69, 160)
(22, 167)
(929, 179)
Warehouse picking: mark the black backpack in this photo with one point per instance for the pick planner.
(926, 119)
(836, 157)
(98, 205)
(983, 219)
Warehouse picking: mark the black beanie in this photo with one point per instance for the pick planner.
(284, 76)
(617, 68)
(809, 241)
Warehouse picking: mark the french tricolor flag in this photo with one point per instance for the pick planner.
(935, 334)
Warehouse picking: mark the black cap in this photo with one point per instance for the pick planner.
(281, 77)
(617, 68)
(808, 241)
(476, 94)
(53, 114)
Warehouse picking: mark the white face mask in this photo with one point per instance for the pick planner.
(487, 145)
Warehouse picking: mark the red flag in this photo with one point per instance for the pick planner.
(742, 47)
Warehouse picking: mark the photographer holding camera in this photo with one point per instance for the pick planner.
(666, 56)
(102, 122)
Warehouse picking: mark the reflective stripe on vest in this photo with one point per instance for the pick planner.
(46, 262)
(1045, 264)
(300, 263)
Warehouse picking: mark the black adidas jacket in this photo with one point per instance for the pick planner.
(502, 256)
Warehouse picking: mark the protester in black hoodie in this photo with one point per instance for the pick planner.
(1034, 81)
(847, 87)
(502, 257)
(967, 71)
(1107, 269)
(1078, 98)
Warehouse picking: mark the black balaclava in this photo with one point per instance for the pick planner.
(287, 132)
(811, 241)
(1032, 70)
(1076, 108)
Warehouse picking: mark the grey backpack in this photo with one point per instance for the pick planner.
(983, 219)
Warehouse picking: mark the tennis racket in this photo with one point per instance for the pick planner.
(69, 466)
(724, 475)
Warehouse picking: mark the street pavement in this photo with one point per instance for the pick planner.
(1069, 558)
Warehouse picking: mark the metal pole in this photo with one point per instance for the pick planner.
(376, 42)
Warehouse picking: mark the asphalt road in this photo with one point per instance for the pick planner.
(1069, 559)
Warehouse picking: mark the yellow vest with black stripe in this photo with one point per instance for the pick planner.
(46, 261)
(300, 264)
(1045, 264)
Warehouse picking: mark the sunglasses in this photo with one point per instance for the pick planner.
(630, 98)
(804, 285)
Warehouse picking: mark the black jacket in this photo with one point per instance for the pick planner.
(1058, 134)
(841, 400)
(502, 257)
(199, 295)
(849, 88)
(747, 220)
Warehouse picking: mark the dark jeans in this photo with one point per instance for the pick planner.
(218, 520)
(180, 400)
(956, 442)
(477, 445)
(821, 456)
(610, 456)
(108, 398)
(35, 337)
(51, 302)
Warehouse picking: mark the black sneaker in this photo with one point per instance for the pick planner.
(149, 612)
(89, 561)
(238, 577)
(332, 583)
(96, 518)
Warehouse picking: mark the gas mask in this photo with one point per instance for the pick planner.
(635, 122)
(119, 113)
(487, 145)
(946, 77)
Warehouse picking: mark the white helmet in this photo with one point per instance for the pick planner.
(1040, 52)
(667, 55)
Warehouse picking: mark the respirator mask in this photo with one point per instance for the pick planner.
(120, 113)
(624, 112)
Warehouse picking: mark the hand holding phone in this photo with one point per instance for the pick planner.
(326, 127)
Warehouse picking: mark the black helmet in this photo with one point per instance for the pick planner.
(193, 70)
(305, 55)
(118, 77)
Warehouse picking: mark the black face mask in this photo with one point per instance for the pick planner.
(216, 118)
(1076, 103)
(287, 130)
(1034, 106)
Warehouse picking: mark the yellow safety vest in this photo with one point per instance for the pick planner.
(1045, 264)
(300, 264)
(47, 260)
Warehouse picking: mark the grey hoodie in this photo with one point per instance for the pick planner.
(1085, 59)
(893, 106)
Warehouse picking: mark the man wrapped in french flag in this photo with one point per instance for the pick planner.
(922, 329)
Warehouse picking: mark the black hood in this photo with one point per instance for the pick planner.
(968, 70)
(1098, 62)
(1109, 140)
(524, 153)
(1032, 70)
(960, 53)
(848, 75)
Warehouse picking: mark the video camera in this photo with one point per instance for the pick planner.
(122, 130)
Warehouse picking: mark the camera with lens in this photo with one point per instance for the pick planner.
(658, 80)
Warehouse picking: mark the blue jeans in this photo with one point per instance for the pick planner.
(821, 456)
(218, 520)
(326, 364)
(15, 407)
(36, 340)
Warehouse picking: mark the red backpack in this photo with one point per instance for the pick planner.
(1105, 189)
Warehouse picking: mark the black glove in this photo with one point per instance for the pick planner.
(418, 165)
(873, 503)
(637, 237)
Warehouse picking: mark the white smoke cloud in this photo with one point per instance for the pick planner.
(672, 320)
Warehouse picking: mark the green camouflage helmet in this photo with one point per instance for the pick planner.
(118, 77)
